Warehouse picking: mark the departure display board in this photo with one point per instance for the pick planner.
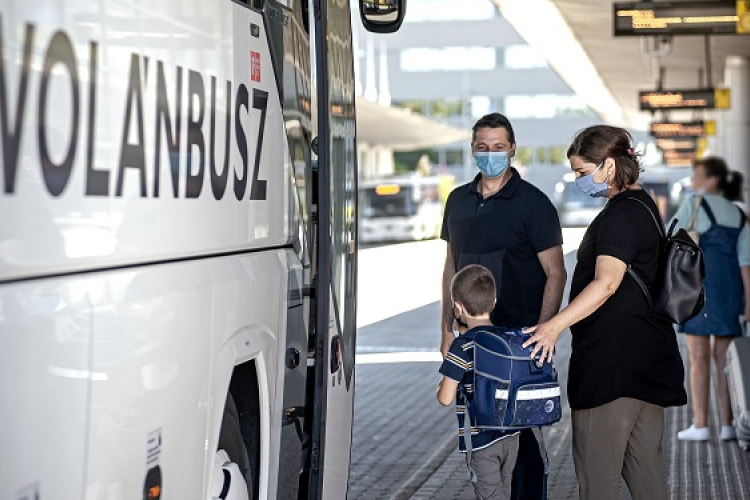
(678, 144)
(722, 17)
(685, 99)
(664, 130)
(679, 158)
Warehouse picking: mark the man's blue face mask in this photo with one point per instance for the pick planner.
(492, 164)
(587, 184)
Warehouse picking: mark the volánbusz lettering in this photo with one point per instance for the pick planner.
(186, 152)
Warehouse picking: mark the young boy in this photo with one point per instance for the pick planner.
(494, 453)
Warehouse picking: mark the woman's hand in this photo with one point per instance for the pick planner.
(609, 274)
(545, 337)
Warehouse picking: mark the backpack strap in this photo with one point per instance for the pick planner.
(467, 436)
(709, 212)
(743, 217)
(658, 224)
(691, 225)
(542, 448)
(641, 284)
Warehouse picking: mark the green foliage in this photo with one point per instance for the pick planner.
(551, 154)
(415, 106)
(446, 108)
(524, 155)
(406, 161)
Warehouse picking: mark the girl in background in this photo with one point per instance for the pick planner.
(725, 241)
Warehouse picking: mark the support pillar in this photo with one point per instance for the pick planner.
(733, 134)
(385, 165)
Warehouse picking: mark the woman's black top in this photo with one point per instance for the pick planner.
(620, 350)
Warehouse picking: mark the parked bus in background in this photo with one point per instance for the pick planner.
(662, 183)
(574, 207)
(178, 247)
(400, 209)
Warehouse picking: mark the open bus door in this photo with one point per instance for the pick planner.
(336, 259)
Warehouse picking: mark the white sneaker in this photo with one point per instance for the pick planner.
(727, 433)
(694, 434)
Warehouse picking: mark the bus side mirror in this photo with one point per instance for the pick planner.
(382, 16)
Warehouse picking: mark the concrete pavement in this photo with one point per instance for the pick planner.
(404, 441)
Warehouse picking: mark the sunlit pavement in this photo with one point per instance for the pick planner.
(404, 442)
(397, 278)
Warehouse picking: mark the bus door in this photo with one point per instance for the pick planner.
(336, 270)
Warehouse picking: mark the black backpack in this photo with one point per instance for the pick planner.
(677, 294)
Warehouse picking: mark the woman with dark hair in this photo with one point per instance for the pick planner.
(725, 241)
(625, 366)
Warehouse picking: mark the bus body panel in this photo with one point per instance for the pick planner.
(156, 194)
(145, 381)
(91, 87)
(45, 331)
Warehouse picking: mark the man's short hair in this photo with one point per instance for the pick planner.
(474, 287)
(493, 120)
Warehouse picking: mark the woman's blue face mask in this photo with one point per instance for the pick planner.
(587, 184)
(492, 164)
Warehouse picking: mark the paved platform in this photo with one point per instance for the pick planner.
(712, 470)
(405, 444)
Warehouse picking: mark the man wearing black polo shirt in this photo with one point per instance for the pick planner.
(509, 226)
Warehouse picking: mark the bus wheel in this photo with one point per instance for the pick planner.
(233, 479)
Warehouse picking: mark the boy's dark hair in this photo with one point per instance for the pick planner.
(493, 120)
(474, 287)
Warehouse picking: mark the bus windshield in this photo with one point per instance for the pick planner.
(388, 201)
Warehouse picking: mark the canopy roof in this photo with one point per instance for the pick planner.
(576, 37)
(402, 130)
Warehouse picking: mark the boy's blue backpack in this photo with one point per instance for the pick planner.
(512, 391)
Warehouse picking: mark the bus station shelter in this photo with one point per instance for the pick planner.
(406, 131)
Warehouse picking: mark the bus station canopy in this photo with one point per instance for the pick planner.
(401, 130)
(576, 37)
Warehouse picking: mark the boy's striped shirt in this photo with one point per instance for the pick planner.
(459, 366)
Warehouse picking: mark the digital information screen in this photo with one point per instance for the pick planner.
(664, 130)
(721, 17)
(678, 144)
(685, 99)
(679, 158)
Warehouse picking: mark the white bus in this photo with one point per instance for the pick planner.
(400, 209)
(178, 247)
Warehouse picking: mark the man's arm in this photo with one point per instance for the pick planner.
(553, 263)
(446, 321)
